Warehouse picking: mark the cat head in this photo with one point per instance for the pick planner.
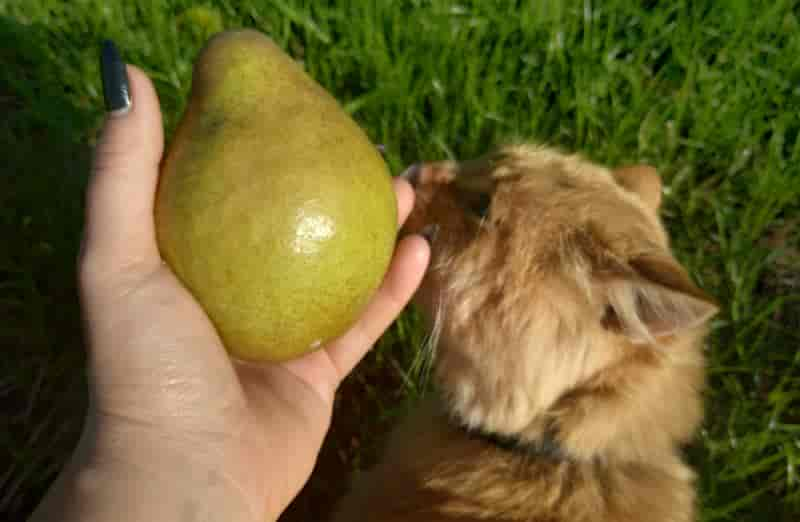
(545, 269)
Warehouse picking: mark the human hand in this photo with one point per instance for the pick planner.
(176, 430)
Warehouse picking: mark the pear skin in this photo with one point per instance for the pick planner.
(273, 208)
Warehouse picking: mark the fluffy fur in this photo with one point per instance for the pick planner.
(561, 315)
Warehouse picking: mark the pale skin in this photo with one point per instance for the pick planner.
(176, 430)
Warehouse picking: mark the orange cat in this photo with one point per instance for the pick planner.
(568, 358)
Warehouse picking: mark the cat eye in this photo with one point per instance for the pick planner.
(475, 186)
(481, 204)
(478, 204)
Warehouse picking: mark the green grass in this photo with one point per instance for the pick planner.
(707, 91)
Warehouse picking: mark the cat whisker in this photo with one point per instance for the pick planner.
(433, 343)
(422, 365)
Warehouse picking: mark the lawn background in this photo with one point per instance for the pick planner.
(707, 91)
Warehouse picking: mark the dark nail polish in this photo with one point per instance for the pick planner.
(116, 90)
(411, 174)
(430, 232)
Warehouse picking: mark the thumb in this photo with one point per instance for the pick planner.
(119, 229)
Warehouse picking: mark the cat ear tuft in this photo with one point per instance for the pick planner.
(655, 299)
(642, 180)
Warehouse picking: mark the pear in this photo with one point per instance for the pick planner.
(273, 208)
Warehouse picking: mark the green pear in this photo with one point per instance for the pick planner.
(273, 208)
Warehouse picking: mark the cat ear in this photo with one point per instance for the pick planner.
(642, 180)
(655, 298)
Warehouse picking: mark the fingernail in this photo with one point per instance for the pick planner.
(429, 232)
(116, 90)
(411, 174)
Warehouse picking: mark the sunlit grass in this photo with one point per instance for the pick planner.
(708, 92)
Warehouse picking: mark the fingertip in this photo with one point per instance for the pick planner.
(143, 86)
(405, 199)
(136, 131)
(147, 107)
(413, 255)
(420, 249)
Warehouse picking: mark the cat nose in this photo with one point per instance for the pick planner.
(411, 174)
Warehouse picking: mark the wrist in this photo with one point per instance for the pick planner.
(112, 477)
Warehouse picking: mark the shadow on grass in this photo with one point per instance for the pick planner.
(42, 179)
